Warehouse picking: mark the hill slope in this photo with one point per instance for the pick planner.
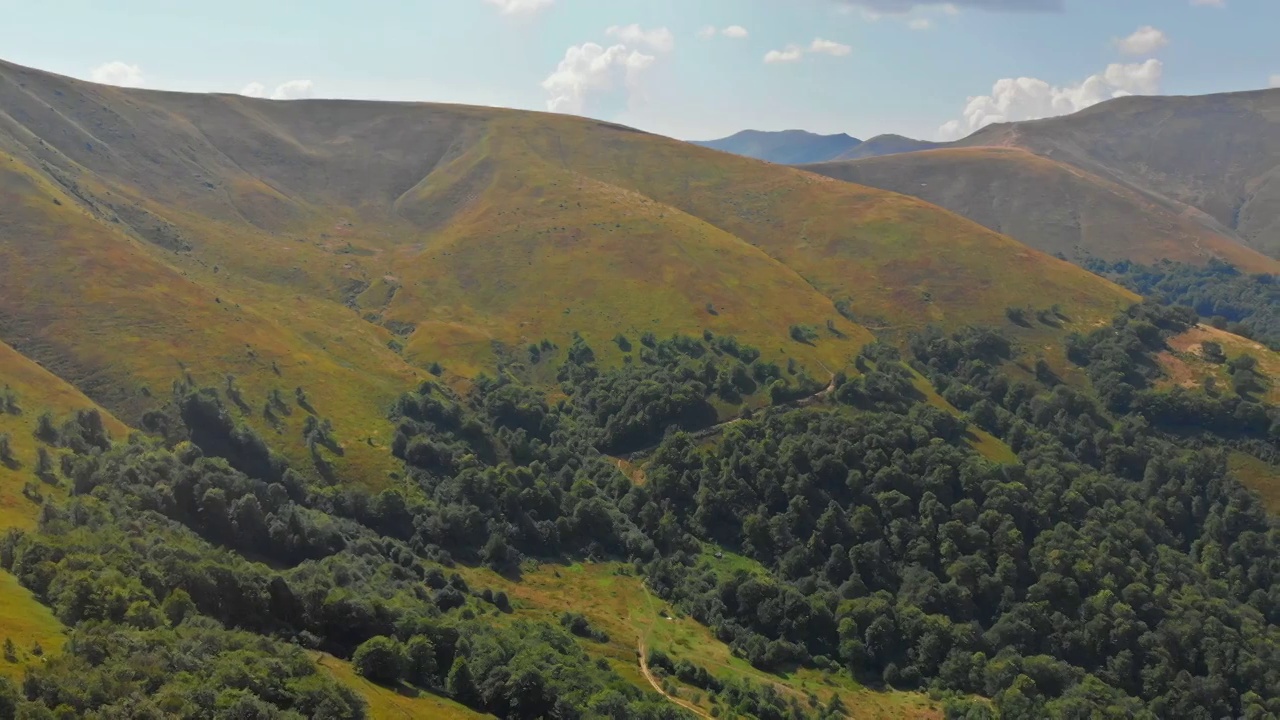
(1050, 205)
(887, 145)
(787, 147)
(1216, 153)
(342, 247)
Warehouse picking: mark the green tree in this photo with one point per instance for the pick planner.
(421, 665)
(178, 606)
(380, 659)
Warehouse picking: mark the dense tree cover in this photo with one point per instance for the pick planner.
(192, 589)
(1115, 570)
(1243, 303)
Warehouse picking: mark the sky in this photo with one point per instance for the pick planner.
(692, 69)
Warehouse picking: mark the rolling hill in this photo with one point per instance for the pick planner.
(491, 501)
(345, 247)
(1053, 206)
(787, 147)
(1144, 178)
(887, 145)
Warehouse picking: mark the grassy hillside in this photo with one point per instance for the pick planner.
(1186, 363)
(617, 602)
(345, 247)
(1215, 154)
(29, 391)
(1051, 206)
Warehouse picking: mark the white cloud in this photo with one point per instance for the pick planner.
(1015, 99)
(1144, 41)
(520, 7)
(734, 32)
(1274, 81)
(920, 24)
(118, 73)
(660, 39)
(791, 54)
(588, 69)
(292, 90)
(1209, 3)
(829, 47)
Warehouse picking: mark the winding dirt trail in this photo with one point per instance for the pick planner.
(642, 651)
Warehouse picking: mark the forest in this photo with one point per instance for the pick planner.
(1116, 569)
(1246, 304)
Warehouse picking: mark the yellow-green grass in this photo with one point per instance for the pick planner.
(1259, 476)
(618, 603)
(1050, 205)
(37, 391)
(1185, 365)
(392, 704)
(312, 230)
(27, 623)
(121, 323)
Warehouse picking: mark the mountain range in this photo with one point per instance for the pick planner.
(331, 408)
(1188, 179)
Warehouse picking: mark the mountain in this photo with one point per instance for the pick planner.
(1053, 206)
(886, 145)
(346, 247)
(350, 409)
(1188, 179)
(1219, 154)
(787, 147)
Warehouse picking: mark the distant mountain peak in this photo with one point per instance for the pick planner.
(789, 147)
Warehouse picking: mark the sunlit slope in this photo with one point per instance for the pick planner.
(895, 259)
(1050, 205)
(1216, 154)
(343, 247)
(104, 312)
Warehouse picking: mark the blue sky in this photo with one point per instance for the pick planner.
(925, 69)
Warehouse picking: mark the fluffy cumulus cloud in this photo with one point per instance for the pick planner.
(904, 6)
(589, 69)
(829, 47)
(520, 7)
(1015, 99)
(118, 73)
(819, 46)
(920, 23)
(1144, 41)
(735, 32)
(291, 90)
(792, 53)
(660, 39)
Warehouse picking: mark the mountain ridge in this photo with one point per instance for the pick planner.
(785, 147)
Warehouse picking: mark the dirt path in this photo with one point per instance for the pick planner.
(642, 650)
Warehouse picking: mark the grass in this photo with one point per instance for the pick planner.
(1259, 476)
(1050, 205)
(348, 255)
(618, 603)
(387, 703)
(26, 622)
(1185, 365)
(38, 391)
